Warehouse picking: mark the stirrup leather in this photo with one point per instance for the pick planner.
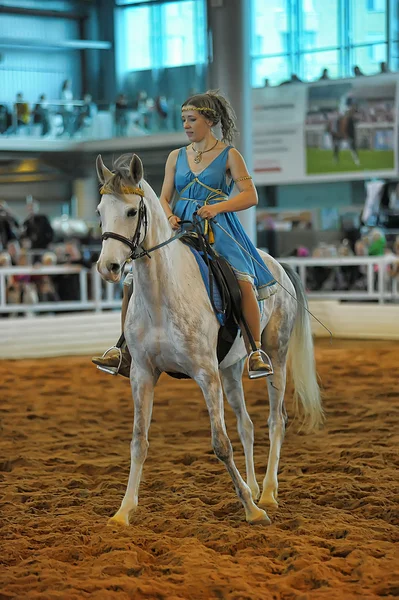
(111, 370)
(266, 359)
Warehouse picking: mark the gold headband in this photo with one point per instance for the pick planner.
(198, 108)
(125, 189)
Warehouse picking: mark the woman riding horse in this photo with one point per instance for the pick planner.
(204, 174)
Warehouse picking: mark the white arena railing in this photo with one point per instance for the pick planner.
(91, 324)
(381, 285)
(97, 295)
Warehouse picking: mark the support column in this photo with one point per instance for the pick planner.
(229, 27)
(87, 198)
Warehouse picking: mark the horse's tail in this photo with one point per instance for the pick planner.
(301, 360)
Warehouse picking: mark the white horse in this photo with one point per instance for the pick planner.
(171, 326)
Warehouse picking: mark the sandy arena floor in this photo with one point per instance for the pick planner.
(65, 433)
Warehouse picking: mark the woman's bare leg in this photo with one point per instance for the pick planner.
(251, 314)
(125, 303)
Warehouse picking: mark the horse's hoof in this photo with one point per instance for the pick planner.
(119, 519)
(268, 500)
(259, 518)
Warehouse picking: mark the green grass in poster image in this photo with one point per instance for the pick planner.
(322, 161)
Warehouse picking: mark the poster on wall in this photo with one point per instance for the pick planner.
(277, 133)
(326, 131)
(351, 127)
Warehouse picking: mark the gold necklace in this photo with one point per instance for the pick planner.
(199, 153)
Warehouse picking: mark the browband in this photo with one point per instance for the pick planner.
(125, 189)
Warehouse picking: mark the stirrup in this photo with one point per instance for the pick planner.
(259, 374)
(111, 370)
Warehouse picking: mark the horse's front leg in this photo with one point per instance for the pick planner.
(143, 383)
(233, 388)
(209, 382)
(277, 419)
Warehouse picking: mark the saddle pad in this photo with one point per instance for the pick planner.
(217, 300)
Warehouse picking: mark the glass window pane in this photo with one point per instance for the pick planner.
(274, 69)
(313, 64)
(183, 33)
(394, 36)
(319, 24)
(124, 2)
(137, 46)
(368, 17)
(369, 57)
(271, 27)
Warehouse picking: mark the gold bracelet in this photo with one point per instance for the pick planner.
(242, 178)
(170, 216)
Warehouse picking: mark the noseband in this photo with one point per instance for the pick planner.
(142, 221)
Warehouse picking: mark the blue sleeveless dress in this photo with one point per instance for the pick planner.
(212, 185)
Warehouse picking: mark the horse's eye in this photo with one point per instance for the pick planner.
(132, 212)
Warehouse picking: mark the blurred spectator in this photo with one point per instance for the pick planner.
(5, 259)
(384, 67)
(121, 115)
(357, 72)
(41, 115)
(145, 107)
(9, 226)
(86, 113)
(377, 242)
(266, 82)
(37, 228)
(22, 114)
(21, 284)
(11, 294)
(161, 108)
(14, 249)
(67, 108)
(67, 285)
(293, 79)
(44, 283)
(324, 75)
(5, 119)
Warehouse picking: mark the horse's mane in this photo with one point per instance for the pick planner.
(121, 175)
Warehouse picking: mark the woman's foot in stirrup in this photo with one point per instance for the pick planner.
(109, 362)
(259, 364)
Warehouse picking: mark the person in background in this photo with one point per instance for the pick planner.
(36, 228)
(9, 226)
(44, 283)
(384, 67)
(21, 110)
(86, 113)
(161, 109)
(377, 242)
(293, 79)
(357, 71)
(41, 115)
(324, 75)
(121, 115)
(67, 108)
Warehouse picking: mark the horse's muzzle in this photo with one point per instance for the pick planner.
(111, 271)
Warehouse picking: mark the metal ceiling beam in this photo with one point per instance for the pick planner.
(39, 12)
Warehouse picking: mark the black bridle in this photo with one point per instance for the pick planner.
(136, 241)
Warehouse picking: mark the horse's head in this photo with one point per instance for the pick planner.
(122, 212)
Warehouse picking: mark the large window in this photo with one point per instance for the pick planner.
(303, 37)
(162, 34)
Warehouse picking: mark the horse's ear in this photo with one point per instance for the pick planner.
(136, 169)
(103, 173)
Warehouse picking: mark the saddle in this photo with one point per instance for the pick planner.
(224, 293)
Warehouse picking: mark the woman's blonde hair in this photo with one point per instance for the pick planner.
(217, 109)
